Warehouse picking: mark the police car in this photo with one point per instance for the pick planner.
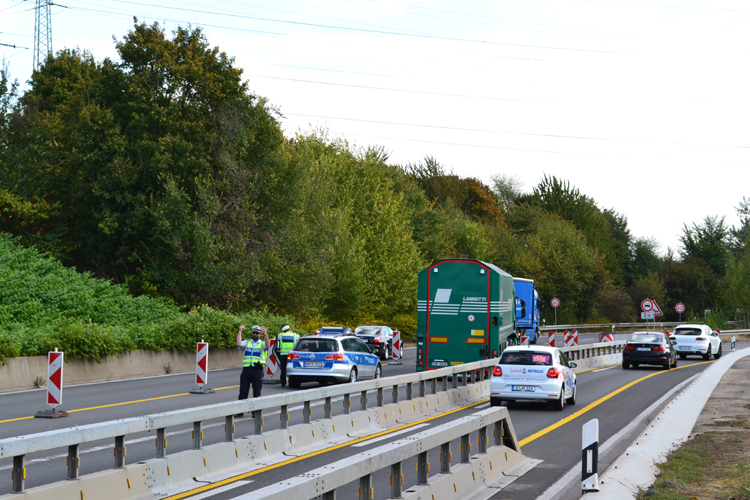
(526, 373)
(330, 359)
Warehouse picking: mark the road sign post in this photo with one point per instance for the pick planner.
(679, 309)
(555, 303)
(201, 369)
(590, 456)
(54, 386)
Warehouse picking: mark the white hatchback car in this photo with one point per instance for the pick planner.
(696, 340)
(533, 373)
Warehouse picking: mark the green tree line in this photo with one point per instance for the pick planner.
(162, 173)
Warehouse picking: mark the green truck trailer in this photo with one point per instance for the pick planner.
(465, 313)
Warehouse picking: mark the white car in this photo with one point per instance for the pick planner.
(526, 373)
(696, 340)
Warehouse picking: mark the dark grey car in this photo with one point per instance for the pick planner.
(378, 338)
(645, 348)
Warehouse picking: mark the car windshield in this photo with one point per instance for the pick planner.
(367, 330)
(316, 345)
(525, 358)
(646, 338)
(688, 331)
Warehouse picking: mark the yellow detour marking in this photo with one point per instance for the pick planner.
(129, 483)
(169, 471)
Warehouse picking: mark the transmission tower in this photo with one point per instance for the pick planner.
(42, 32)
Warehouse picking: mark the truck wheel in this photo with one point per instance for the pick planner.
(536, 337)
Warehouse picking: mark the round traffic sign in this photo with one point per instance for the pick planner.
(471, 317)
(647, 305)
(555, 302)
(680, 307)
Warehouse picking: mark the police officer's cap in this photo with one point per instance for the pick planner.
(285, 328)
(257, 329)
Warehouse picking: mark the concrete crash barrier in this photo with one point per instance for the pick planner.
(496, 464)
(636, 468)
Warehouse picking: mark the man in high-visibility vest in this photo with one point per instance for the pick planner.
(253, 361)
(285, 342)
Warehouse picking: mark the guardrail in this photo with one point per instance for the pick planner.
(324, 481)
(73, 438)
(608, 326)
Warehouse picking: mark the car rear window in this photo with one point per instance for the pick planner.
(525, 358)
(688, 331)
(316, 345)
(646, 338)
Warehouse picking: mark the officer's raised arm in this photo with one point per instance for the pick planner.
(239, 336)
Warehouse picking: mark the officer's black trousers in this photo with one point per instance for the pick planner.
(250, 376)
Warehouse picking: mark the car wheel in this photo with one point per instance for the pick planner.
(625, 365)
(674, 363)
(294, 383)
(572, 399)
(352, 375)
(496, 402)
(559, 403)
(667, 365)
(378, 371)
(683, 356)
(387, 352)
(707, 356)
(718, 354)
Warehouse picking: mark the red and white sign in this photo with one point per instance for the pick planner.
(201, 363)
(398, 346)
(555, 302)
(606, 337)
(54, 378)
(552, 339)
(679, 308)
(571, 338)
(471, 317)
(649, 305)
(524, 340)
(273, 372)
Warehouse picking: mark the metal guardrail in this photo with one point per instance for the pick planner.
(608, 326)
(326, 480)
(73, 438)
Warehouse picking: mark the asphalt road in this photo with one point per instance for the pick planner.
(614, 396)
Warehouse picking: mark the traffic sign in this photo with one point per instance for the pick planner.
(680, 307)
(555, 302)
(649, 305)
(647, 315)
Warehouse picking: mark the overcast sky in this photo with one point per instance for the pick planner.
(642, 105)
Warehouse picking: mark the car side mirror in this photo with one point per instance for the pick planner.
(674, 342)
(573, 365)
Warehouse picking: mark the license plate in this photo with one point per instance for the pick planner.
(644, 348)
(439, 363)
(313, 364)
(684, 348)
(524, 388)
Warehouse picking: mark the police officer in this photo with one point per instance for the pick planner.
(254, 360)
(285, 342)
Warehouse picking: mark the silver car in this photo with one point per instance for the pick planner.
(533, 373)
(330, 359)
(697, 340)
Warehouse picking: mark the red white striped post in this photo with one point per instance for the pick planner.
(552, 339)
(397, 348)
(201, 369)
(54, 385)
(571, 338)
(273, 368)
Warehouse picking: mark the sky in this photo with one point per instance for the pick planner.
(643, 106)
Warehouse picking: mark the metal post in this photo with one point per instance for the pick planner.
(365, 487)
(422, 468)
(197, 435)
(18, 473)
(465, 449)
(119, 452)
(161, 442)
(363, 401)
(327, 404)
(380, 396)
(73, 461)
(347, 404)
(258, 422)
(306, 413)
(396, 486)
(284, 416)
(229, 428)
(445, 458)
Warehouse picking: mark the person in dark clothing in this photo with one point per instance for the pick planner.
(253, 361)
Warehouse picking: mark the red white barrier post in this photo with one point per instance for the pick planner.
(552, 339)
(54, 385)
(397, 348)
(606, 337)
(273, 370)
(524, 340)
(201, 369)
(571, 338)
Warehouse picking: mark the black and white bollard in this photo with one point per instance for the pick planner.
(732, 343)
(590, 456)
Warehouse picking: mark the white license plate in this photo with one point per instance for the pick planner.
(439, 363)
(524, 388)
(684, 348)
(644, 348)
(313, 364)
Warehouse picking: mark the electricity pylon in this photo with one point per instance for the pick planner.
(42, 32)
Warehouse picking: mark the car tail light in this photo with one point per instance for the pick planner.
(335, 357)
(672, 338)
(701, 339)
(497, 372)
(376, 340)
(494, 353)
(628, 348)
(293, 355)
(553, 373)
(660, 348)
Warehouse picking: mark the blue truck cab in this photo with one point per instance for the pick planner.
(527, 309)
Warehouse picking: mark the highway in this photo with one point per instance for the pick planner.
(618, 398)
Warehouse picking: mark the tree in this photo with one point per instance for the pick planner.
(740, 234)
(642, 260)
(707, 242)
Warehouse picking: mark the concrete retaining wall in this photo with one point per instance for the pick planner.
(20, 373)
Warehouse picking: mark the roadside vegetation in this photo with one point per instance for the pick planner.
(164, 178)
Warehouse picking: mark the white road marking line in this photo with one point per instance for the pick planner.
(485, 405)
(220, 490)
(603, 369)
(389, 436)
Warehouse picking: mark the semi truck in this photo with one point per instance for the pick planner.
(528, 307)
(465, 312)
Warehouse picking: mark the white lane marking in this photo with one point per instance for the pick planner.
(575, 472)
(485, 405)
(388, 436)
(220, 490)
(603, 369)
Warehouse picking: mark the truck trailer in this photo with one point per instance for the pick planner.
(465, 313)
(527, 309)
